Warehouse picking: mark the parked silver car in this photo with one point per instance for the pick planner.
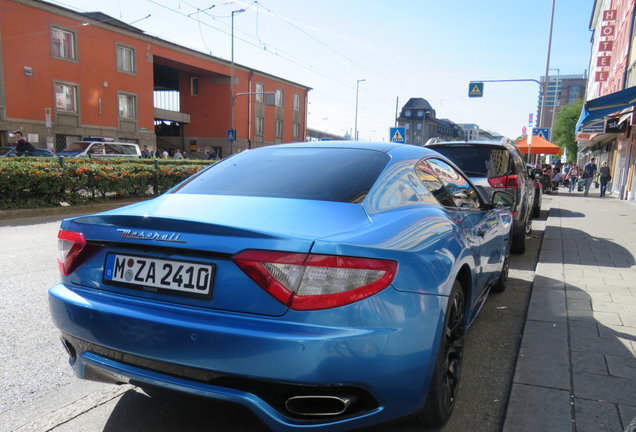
(492, 166)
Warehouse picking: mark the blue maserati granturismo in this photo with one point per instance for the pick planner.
(325, 286)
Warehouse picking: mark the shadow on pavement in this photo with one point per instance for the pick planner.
(170, 411)
(570, 214)
(584, 249)
(576, 363)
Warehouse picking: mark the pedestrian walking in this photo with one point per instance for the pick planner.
(589, 171)
(573, 176)
(177, 154)
(604, 177)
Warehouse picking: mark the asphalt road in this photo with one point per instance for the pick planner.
(40, 393)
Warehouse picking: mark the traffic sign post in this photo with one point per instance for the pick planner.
(542, 132)
(397, 135)
(476, 89)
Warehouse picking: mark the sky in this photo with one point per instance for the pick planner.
(428, 49)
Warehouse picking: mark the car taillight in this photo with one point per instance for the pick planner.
(311, 282)
(69, 246)
(509, 181)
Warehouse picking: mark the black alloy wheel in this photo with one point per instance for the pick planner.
(500, 285)
(442, 393)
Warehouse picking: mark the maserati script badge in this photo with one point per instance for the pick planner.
(151, 235)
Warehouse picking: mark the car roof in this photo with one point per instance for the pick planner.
(384, 147)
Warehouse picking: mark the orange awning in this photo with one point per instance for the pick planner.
(539, 146)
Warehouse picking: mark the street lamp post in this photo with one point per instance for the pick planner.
(557, 91)
(547, 67)
(232, 80)
(355, 127)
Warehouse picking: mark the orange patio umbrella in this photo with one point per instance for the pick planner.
(539, 146)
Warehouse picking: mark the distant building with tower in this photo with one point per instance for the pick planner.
(562, 90)
(420, 123)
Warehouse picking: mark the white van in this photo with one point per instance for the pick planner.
(100, 148)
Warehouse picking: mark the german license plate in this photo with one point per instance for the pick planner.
(185, 278)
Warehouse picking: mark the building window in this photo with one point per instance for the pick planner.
(63, 44)
(194, 86)
(296, 131)
(407, 126)
(407, 113)
(127, 106)
(279, 128)
(419, 126)
(66, 97)
(278, 101)
(259, 89)
(296, 102)
(420, 113)
(258, 126)
(126, 59)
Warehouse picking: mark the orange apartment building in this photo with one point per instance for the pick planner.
(66, 75)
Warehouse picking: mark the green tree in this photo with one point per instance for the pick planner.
(563, 132)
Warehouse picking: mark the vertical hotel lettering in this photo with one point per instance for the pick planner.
(605, 45)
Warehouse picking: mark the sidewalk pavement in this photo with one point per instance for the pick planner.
(576, 369)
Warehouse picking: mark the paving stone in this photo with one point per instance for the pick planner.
(548, 305)
(614, 307)
(626, 300)
(603, 388)
(610, 289)
(584, 295)
(579, 303)
(593, 416)
(628, 320)
(544, 357)
(609, 318)
(628, 413)
(584, 336)
(533, 409)
(622, 367)
(589, 362)
(545, 282)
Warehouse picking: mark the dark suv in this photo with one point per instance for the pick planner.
(495, 165)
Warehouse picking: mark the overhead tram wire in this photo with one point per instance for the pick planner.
(286, 56)
(290, 23)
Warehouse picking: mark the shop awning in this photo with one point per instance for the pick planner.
(539, 146)
(598, 108)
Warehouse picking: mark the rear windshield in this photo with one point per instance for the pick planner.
(326, 174)
(480, 161)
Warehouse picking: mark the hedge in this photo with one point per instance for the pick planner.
(37, 182)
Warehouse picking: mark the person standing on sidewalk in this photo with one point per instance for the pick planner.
(604, 177)
(589, 171)
(573, 176)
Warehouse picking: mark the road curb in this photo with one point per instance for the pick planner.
(13, 214)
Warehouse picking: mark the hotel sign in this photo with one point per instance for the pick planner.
(605, 46)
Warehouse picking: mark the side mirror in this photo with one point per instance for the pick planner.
(502, 199)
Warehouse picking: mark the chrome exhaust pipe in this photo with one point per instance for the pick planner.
(318, 405)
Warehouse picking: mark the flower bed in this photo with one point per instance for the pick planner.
(38, 182)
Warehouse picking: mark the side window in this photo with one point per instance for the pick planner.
(427, 176)
(461, 192)
(96, 149)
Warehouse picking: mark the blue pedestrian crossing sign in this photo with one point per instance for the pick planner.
(396, 135)
(231, 135)
(475, 89)
(542, 132)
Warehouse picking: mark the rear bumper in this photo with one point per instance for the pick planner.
(387, 362)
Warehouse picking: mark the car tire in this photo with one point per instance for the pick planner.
(500, 285)
(519, 239)
(442, 392)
